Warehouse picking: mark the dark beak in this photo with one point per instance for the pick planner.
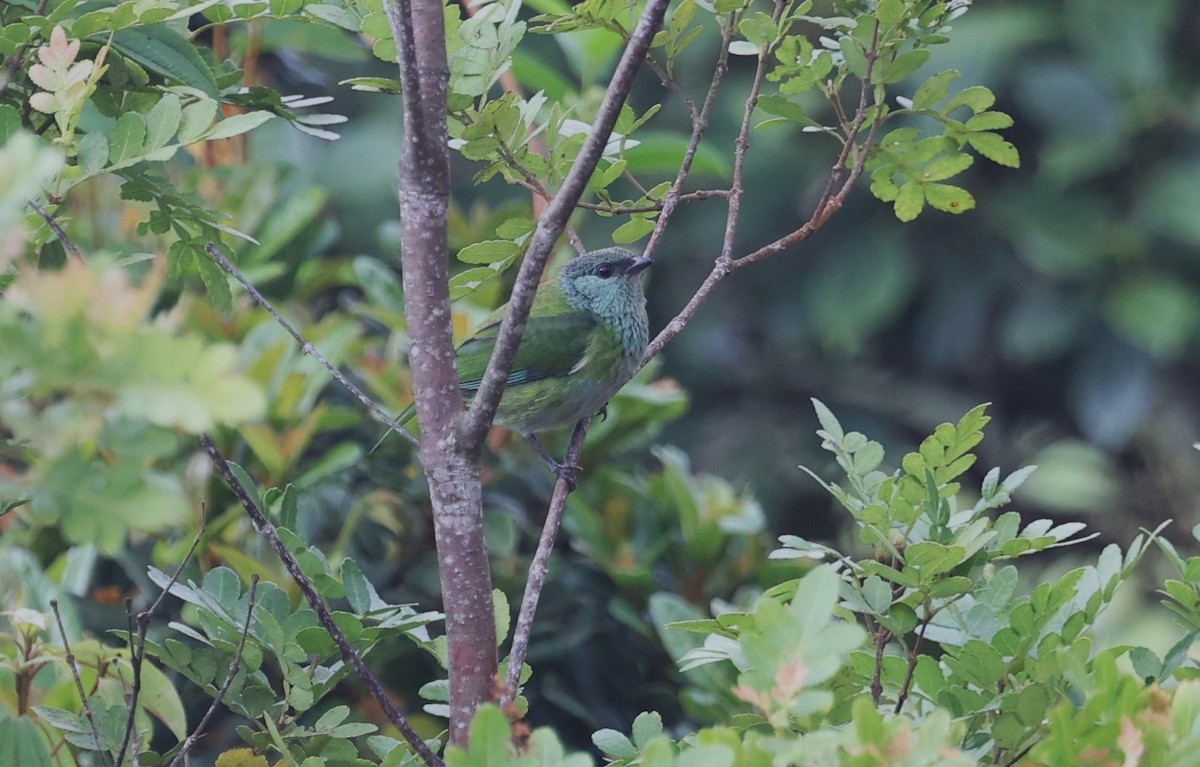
(638, 265)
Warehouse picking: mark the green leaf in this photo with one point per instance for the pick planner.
(909, 201)
(828, 420)
(10, 122)
(995, 148)
(989, 121)
(977, 662)
(162, 121)
(503, 614)
(877, 594)
(372, 84)
(934, 89)
(903, 66)
(197, 117)
(470, 280)
(977, 97)
(759, 29)
(855, 56)
(127, 138)
(489, 741)
(614, 744)
(488, 252)
(633, 230)
(647, 726)
(235, 125)
(93, 152)
(223, 585)
(358, 590)
(22, 744)
(335, 15)
(161, 49)
(948, 198)
(946, 167)
(889, 12)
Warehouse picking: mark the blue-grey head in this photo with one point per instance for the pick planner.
(605, 282)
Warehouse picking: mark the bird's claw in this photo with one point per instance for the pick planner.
(567, 473)
(602, 413)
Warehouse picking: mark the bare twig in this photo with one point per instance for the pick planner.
(538, 568)
(306, 347)
(742, 144)
(234, 667)
(664, 204)
(837, 189)
(700, 121)
(474, 423)
(56, 227)
(882, 636)
(131, 697)
(137, 650)
(349, 654)
(104, 756)
(913, 655)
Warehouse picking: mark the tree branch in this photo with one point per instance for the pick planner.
(700, 121)
(451, 466)
(137, 652)
(58, 230)
(475, 422)
(234, 667)
(831, 201)
(349, 654)
(538, 568)
(104, 757)
(305, 346)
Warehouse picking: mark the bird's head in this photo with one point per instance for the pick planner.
(605, 282)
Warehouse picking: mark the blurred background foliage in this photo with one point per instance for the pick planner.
(1070, 299)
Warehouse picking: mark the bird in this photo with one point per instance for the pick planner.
(586, 334)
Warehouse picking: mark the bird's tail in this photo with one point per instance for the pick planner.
(401, 419)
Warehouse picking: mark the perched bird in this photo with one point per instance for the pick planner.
(585, 338)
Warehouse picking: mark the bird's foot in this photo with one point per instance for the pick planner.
(602, 413)
(564, 471)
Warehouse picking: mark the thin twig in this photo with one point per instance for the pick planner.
(105, 757)
(913, 654)
(700, 122)
(306, 347)
(473, 425)
(234, 667)
(56, 227)
(137, 650)
(741, 145)
(882, 636)
(131, 698)
(829, 203)
(538, 568)
(349, 654)
(663, 204)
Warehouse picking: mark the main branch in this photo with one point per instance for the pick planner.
(450, 466)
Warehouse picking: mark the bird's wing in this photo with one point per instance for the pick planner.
(552, 346)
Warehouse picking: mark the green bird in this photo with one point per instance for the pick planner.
(585, 338)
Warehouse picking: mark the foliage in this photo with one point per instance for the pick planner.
(927, 649)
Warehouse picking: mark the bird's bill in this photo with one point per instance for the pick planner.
(638, 265)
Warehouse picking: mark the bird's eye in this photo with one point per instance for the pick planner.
(604, 271)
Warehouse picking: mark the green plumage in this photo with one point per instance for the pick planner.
(586, 334)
